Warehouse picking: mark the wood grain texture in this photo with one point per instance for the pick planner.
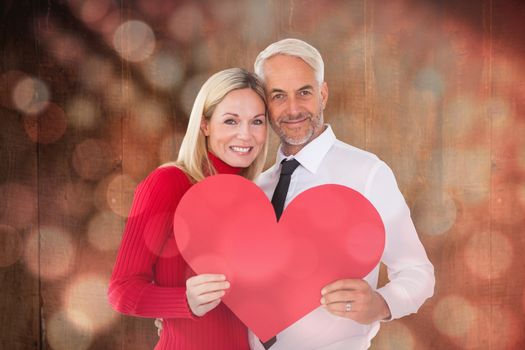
(433, 88)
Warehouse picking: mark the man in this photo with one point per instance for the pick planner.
(350, 310)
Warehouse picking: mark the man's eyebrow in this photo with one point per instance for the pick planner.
(306, 87)
(276, 90)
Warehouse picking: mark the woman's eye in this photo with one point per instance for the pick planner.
(230, 122)
(258, 122)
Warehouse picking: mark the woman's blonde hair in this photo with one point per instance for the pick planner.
(193, 153)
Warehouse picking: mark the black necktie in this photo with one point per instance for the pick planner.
(279, 195)
(278, 199)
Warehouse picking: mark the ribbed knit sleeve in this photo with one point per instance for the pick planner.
(133, 289)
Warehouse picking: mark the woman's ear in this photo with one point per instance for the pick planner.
(205, 126)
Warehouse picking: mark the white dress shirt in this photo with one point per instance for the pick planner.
(326, 160)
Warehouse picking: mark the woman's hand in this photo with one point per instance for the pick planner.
(204, 292)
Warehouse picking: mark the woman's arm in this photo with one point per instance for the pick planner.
(132, 289)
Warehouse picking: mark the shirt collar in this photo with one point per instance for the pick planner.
(311, 155)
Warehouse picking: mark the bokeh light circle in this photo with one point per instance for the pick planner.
(488, 255)
(93, 159)
(83, 113)
(454, 316)
(30, 95)
(62, 333)
(164, 71)
(119, 194)
(134, 41)
(434, 212)
(394, 336)
(11, 245)
(49, 252)
(48, 126)
(87, 296)
(18, 207)
(105, 231)
(186, 23)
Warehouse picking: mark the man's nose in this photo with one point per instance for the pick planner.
(292, 105)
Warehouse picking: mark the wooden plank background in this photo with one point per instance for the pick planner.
(434, 88)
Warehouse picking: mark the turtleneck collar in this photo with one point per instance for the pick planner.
(221, 166)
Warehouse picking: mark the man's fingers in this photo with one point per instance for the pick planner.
(338, 296)
(342, 284)
(204, 278)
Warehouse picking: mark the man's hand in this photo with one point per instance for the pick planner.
(356, 300)
(204, 292)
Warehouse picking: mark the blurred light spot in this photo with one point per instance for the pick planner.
(138, 161)
(90, 10)
(499, 112)
(92, 159)
(186, 23)
(164, 71)
(469, 171)
(190, 90)
(18, 206)
(119, 194)
(49, 252)
(62, 334)
(76, 199)
(8, 81)
(11, 245)
(30, 95)
(83, 113)
(149, 118)
(429, 79)
(156, 8)
(105, 231)
(66, 48)
(227, 11)
(169, 147)
(434, 212)
(46, 127)
(454, 316)
(488, 255)
(87, 296)
(394, 336)
(96, 73)
(121, 94)
(459, 116)
(134, 41)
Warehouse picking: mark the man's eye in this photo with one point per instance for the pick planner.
(230, 122)
(305, 92)
(278, 97)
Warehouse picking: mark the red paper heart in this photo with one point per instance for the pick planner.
(226, 224)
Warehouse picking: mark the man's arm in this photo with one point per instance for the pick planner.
(410, 272)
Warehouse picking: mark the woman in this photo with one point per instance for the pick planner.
(226, 134)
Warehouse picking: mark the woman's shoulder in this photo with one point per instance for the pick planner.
(169, 177)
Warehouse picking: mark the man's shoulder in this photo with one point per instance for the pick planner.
(344, 151)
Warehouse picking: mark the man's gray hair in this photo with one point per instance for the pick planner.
(295, 48)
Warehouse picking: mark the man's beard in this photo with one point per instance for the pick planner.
(316, 122)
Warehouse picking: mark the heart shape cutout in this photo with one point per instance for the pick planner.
(226, 224)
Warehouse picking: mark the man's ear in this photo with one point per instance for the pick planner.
(324, 94)
(205, 126)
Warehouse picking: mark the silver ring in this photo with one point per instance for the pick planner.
(348, 307)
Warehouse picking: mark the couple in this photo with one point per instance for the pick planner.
(227, 134)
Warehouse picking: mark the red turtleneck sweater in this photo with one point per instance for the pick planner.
(149, 277)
